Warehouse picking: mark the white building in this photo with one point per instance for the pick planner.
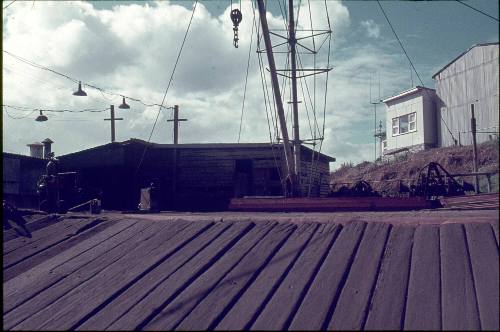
(421, 118)
(410, 121)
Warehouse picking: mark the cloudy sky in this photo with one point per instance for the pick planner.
(130, 47)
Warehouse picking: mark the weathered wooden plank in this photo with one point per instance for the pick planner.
(173, 314)
(389, 298)
(27, 284)
(73, 229)
(75, 272)
(459, 305)
(350, 311)
(252, 301)
(145, 285)
(55, 250)
(423, 306)
(168, 289)
(281, 309)
(313, 311)
(484, 258)
(36, 236)
(98, 291)
(206, 314)
(495, 230)
(32, 224)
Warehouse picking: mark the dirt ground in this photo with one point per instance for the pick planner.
(384, 176)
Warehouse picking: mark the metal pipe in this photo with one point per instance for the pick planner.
(277, 95)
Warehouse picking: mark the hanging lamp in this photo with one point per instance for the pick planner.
(124, 105)
(41, 117)
(79, 92)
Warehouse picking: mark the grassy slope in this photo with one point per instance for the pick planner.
(454, 159)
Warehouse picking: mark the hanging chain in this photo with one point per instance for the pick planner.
(236, 17)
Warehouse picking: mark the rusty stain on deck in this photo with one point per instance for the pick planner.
(125, 272)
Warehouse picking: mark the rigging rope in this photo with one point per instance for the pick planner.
(168, 87)
(246, 80)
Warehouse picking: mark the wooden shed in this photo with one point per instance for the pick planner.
(191, 176)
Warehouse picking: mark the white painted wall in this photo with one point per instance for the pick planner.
(422, 103)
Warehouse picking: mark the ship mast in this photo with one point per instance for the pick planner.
(292, 41)
(292, 165)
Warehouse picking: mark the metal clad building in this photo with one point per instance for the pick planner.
(471, 78)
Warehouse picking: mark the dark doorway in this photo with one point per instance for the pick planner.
(243, 177)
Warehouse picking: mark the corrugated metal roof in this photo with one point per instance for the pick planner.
(465, 52)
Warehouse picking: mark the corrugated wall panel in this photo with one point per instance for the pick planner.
(473, 78)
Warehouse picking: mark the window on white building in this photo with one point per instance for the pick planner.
(404, 124)
(395, 126)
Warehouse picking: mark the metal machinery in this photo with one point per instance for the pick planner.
(433, 181)
(57, 191)
(359, 189)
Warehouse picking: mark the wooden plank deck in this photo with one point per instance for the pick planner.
(126, 273)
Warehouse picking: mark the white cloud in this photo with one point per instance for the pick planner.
(131, 49)
(372, 29)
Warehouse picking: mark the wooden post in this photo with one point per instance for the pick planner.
(474, 147)
(277, 96)
(488, 179)
(176, 120)
(113, 119)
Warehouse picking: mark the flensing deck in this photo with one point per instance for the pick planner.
(155, 272)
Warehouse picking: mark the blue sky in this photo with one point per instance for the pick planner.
(129, 47)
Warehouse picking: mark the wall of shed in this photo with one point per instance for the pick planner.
(206, 178)
(422, 103)
(473, 78)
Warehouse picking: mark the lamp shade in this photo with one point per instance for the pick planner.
(124, 105)
(41, 117)
(79, 92)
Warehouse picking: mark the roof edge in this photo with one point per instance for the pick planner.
(462, 54)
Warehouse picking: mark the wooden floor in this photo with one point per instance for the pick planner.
(124, 273)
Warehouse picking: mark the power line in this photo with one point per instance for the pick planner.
(477, 10)
(27, 109)
(411, 63)
(74, 80)
(168, 86)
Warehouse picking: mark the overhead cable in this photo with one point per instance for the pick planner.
(9, 4)
(411, 63)
(74, 80)
(27, 109)
(168, 86)
(477, 10)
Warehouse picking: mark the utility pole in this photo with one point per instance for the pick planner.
(292, 41)
(474, 147)
(113, 119)
(277, 96)
(176, 120)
